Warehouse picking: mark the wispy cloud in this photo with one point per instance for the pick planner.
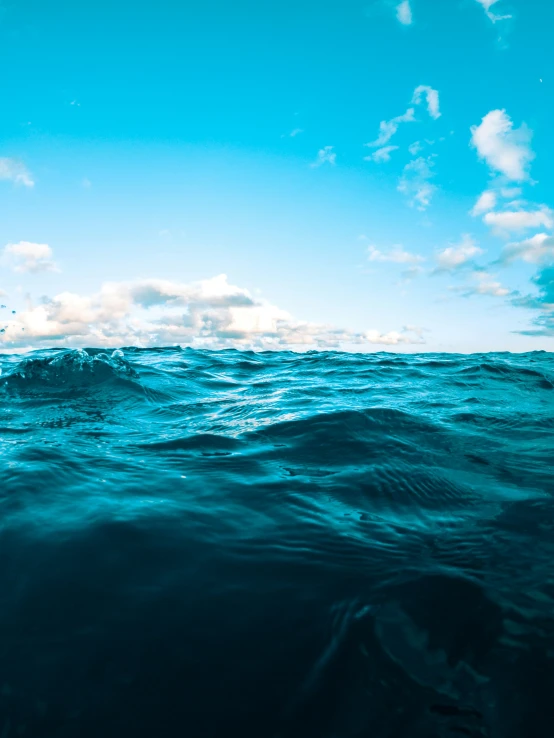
(411, 273)
(543, 301)
(404, 13)
(295, 132)
(505, 149)
(382, 154)
(415, 182)
(487, 5)
(432, 98)
(387, 128)
(29, 257)
(15, 171)
(484, 284)
(211, 313)
(397, 255)
(326, 155)
(543, 280)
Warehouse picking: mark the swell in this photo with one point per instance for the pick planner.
(275, 544)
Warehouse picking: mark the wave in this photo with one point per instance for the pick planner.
(276, 545)
(77, 367)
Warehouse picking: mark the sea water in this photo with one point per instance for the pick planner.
(276, 545)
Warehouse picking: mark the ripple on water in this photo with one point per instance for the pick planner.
(276, 545)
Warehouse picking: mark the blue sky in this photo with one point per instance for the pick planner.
(367, 175)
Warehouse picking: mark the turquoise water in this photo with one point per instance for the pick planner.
(323, 545)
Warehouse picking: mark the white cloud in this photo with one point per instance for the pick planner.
(536, 250)
(505, 149)
(415, 148)
(486, 285)
(457, 256)
(29, 257)
(487, 5)
(397, 255)
(381, 155)
(211, 314)
(510, 192)
(216, 292)
(15, 171)
(432, 97)
(415, 182)
(295, 132)
(514, 221)
(411, 273)
(326, 155)
(486, 202)
(481, 283)
(387, 128)
(404, 13)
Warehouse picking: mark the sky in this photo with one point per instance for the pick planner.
(363, 175)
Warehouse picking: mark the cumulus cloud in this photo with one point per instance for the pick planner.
(514, 221)
(487, 5)
(15, 171)
(404, 13)
(432, 98)
(536, 250)
(505, 149)
(326, 155)
(381, 155)
(486, 202)
(397, 255)
(415, 148)
(216, 292)
(415, 182)
(29, 257)
(458, 256)
(210, 314)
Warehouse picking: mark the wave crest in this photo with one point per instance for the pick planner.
(71, 367)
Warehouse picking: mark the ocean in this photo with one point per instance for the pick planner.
(276, 545)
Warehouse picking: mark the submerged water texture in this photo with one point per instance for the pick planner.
(276, 545)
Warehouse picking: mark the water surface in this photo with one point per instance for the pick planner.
(275, 545)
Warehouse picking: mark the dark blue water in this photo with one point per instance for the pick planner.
(276, 545)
